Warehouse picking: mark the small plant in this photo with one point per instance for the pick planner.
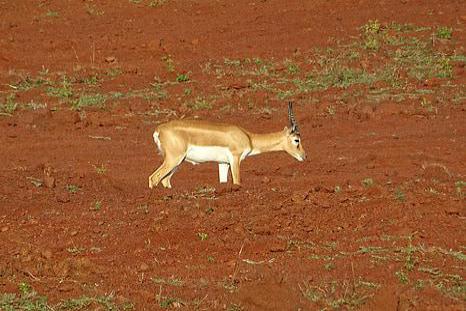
(329, 266)
(75, 250)
(444, 67)
(372, 27)
(419, 284)
(183, 77)
(97, 206)
(144, 208)
(402, 277)
(400, 195)
(459, 185)
(187, 91)
(291, 67)
(367, 182)
(169, 63)
(331, 110)
(101, 170)
(444, 32)
(51, 14)
(202, 236)
(72, 188)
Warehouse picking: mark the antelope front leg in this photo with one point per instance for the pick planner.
(168, 166)
(234, 167)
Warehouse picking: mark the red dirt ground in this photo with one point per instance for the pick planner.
(380, 197)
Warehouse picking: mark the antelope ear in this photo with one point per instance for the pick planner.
(286, 130)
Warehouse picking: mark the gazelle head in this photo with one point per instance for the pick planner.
(293, 144)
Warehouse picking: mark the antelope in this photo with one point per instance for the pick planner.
(197, 142)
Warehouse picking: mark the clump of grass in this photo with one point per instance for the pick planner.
(51, 14)
(168, 281)
(337, 295)
(444, 32)
(168, 302)
(89, 100)
(200, 103)
(64, 90)
(28, 83)
(29, 299)
(370, 35)
(113, 72)
(157, 3)
(10, 105)
(92, 9)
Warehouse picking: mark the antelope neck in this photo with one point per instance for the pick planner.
(266, 142)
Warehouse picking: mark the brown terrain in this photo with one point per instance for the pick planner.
(374, 219)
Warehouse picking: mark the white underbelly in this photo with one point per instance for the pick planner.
(201, 154)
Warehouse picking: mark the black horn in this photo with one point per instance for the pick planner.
(293, 123)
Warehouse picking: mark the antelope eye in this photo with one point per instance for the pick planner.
(296, 141)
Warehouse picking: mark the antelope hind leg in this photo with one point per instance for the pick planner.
(223, 172)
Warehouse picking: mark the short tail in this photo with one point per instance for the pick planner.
(157, 142)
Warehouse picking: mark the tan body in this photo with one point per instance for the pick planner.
(200, 141)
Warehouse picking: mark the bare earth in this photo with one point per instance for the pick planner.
(373, 220)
